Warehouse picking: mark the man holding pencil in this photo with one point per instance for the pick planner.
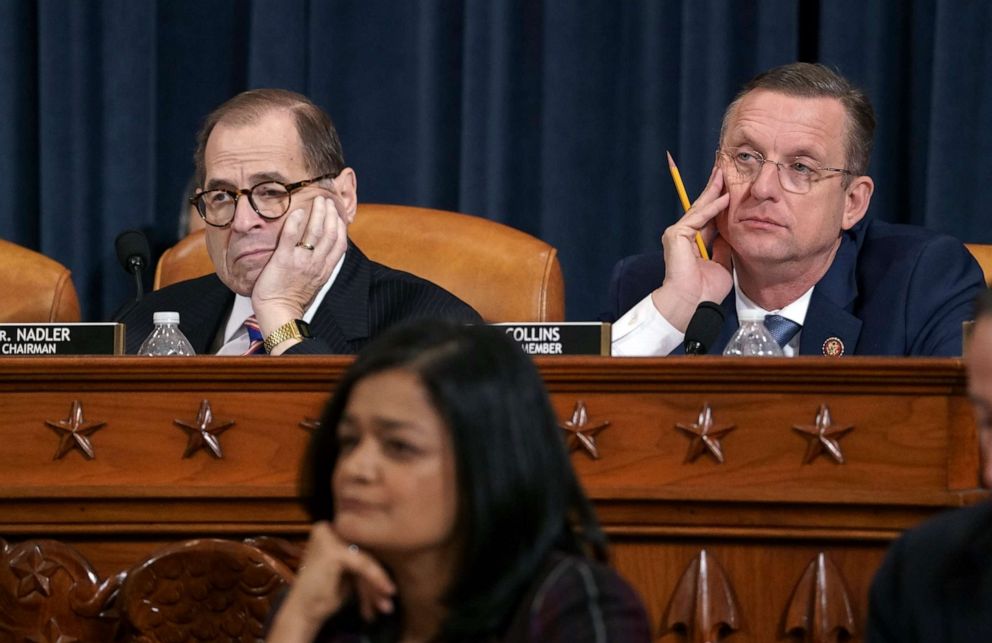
(783, 215)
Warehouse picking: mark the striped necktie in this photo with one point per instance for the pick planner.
(781, 328)
(254, 336)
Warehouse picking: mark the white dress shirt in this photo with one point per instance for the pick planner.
(236, 340)
(642, 331)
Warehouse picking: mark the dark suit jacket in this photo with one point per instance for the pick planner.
(935, 585)
(891, 290)
(365, 299)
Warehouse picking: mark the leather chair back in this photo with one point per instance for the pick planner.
(505, 274)
(983, 254)
(35, 288)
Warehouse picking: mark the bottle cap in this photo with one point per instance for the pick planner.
(166, 318)
(752, 315)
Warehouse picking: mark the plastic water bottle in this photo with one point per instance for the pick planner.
(753, 339)
(166, 338)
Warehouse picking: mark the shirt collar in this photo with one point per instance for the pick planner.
(796, 311)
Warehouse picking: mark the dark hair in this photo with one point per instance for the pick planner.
(322, 153)
(808, 80)
(518, 496)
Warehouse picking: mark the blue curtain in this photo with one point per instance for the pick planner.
(552, 116)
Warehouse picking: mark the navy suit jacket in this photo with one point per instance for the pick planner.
(891, 290)
(365, 299)
(936, 582)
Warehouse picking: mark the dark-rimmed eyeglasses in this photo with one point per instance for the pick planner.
(269, 199)
(796, 175)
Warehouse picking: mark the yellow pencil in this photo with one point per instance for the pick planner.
(680, 188)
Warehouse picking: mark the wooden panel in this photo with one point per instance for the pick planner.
(261, 449)
(764, 515)
(764, 579)
(895, 446)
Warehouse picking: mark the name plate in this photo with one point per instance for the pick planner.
(101, 338)
(560, 338)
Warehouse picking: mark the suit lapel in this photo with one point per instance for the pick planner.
(346, 305)
(828, 328)
(205, 314)
(829, 318)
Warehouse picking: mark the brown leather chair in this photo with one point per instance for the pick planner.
(983, 254)
(505, 274)
(35, 288)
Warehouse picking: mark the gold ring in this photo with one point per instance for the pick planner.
(305, 246)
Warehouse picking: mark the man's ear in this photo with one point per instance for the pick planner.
(346, 186)
(856, 200)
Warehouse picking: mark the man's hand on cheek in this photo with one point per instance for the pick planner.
(690, 278)
(307, 251)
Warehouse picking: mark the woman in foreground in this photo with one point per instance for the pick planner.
(446, 508)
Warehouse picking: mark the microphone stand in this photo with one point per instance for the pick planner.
(136, 264)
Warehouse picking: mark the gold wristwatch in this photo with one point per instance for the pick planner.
(295, 329)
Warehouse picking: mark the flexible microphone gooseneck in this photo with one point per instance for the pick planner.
(134, 253)
(704, 328)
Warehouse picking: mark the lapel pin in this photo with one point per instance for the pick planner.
(833, 347)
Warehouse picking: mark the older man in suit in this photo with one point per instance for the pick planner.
(935, 585)
(277, 200)
(784, 212)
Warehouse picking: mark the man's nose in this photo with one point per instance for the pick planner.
(245, 217)
(766, 184)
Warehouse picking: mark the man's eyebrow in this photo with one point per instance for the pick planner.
(806, 152)
(743, 140)
(264, 177)
(218, 184)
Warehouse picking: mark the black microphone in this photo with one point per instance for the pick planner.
(134, 254)
(704, 328)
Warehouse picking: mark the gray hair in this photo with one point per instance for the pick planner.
(807, 80)
(322, 153)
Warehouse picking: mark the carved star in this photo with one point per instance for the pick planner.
(310, 424)
(201, 434)
(823, 437)
(706, 435)
(74, 432)
(33, 571)
(580, 433)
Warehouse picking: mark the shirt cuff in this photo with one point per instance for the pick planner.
(642, 331)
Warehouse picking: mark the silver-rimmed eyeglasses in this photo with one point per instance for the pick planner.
(269, 199)
(796, 175)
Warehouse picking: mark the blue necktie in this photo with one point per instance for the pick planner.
(781, 328)
(254, 336)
